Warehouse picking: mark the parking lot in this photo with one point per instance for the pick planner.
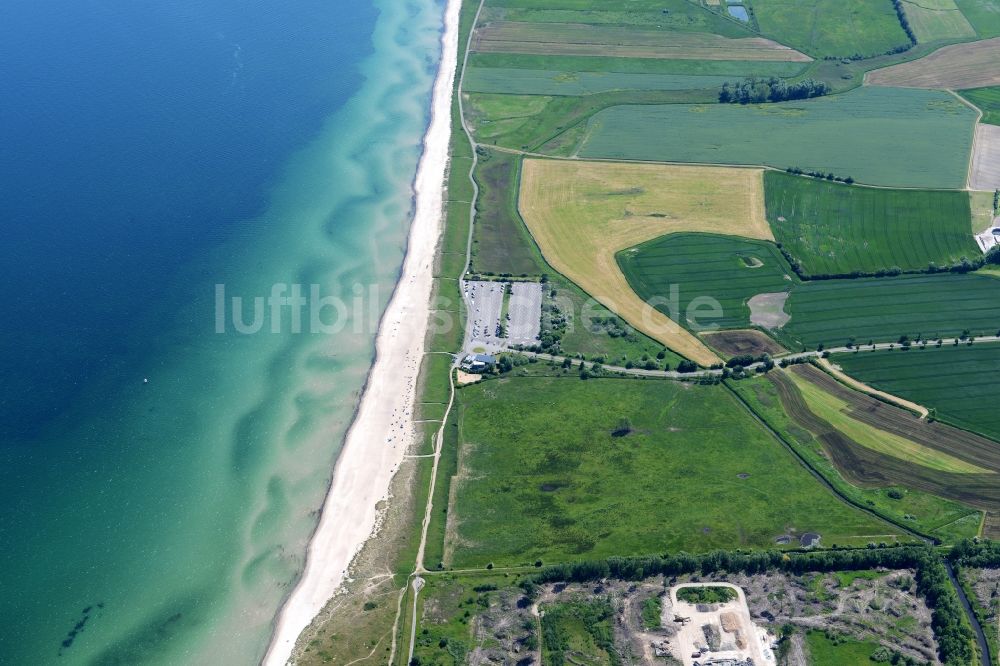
(485, 301)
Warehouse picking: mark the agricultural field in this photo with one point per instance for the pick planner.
(828, 312)
(865, 466)
(937, 20)
(594, 64)
(866, 133)
(536, 454)
(668, 15)
(554, 82)
(740, 342)
(955, 67)
(838, 28)
(583, 39)
(957, 383)
(831, 312)
(987, 100)
(778, 402)
(708, 270)
(984, 15)
(582, 213)
(985, 171)
(837, 229)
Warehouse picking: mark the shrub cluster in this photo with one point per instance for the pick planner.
(757, 91)
(820, 175)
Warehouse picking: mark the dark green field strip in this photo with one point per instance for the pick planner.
(883, 309)
(729, 68)
(866, 467)
(959, 383)
(671, 15)
(835, 229)
(705, 266)
(987, 99)
(556, 82)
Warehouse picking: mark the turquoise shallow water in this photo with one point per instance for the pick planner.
(160, 479)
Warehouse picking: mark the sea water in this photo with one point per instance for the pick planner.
(160, 470)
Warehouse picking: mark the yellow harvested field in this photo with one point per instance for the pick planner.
(955, 67)
(984, 172)
(582, 213)
(624, 42)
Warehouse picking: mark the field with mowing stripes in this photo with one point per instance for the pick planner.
(839, 28)
(704, 265)
(933, 20)
(836, 229)
(866, 133)
(829, 312)
(984, 15)
(958, 383)
(541, 476)
(987, 100)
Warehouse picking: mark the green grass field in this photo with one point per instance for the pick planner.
(988, 101)
(867, 133)
(984, 15)
(843, 652)
(836, 229)
(542, 477)
(838, 28)
(958, 383)
(705, 265)
(828, 312)
(556, 82)
(940, 20)
(728, 68)
(945, 519)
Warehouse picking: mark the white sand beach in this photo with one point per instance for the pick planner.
(382, 428)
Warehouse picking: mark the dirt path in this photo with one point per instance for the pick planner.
(865, 388)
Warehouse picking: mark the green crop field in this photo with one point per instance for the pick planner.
(838, 28)
(988, 101)
(553, 82)
(832, 311)
(937, 20)
(826, 312)
(705, 265)
(984, 15)
(836, 229)
(541, 476)
(674, 15)
(727, 68)
(867, 133)
(958, 383)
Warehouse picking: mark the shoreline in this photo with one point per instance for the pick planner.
(382, 428)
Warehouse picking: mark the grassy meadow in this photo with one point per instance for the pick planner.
(682, 67)
(836, 229)
(838, 28)
(958, 383)
(987, 100)
(865, 133)
(824, 651)
(541, 476)
(519, 81)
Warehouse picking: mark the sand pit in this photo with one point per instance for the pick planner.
(718, 631)
(768, 310)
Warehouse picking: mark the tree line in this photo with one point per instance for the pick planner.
(755, 90)
(953, 635)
